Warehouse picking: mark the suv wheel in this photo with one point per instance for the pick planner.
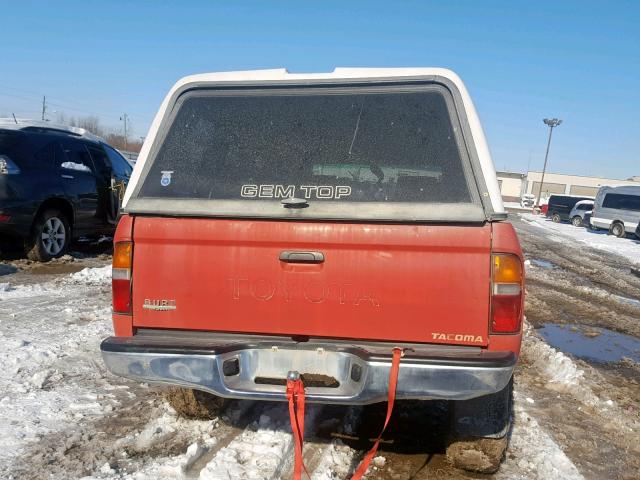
(617, 229)
(556, 218)
(50, 236)
(576, 221)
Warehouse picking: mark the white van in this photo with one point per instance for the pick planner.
(617, 209)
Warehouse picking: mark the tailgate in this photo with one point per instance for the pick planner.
(411, 283)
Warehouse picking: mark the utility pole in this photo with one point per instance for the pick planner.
(124, 118)
(44, 106)
(554, 122)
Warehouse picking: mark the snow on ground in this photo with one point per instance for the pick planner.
(50, 334)
(600, 240)
(536, 455)
(93, 276)
(264, 450)
(165, 427)
(52, 380)
(516, 206)
(557, 367)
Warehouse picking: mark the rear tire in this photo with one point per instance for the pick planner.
(195, 404)
(556, 218)
(617, 229)
(480, 432)
(576, 221)
(50, 236)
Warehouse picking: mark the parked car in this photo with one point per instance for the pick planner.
(56, 183)
(544, 208)
(560, 206)
(617, 209)
(312, 226)
(581, 213)
(527, 200)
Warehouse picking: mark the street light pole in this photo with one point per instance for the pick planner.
(554, 122)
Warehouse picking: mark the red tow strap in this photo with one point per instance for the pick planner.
(393, 382)
(295, 396)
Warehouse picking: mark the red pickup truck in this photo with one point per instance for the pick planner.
(279, 223)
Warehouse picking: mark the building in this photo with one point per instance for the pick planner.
(569, 184)
(513, 185)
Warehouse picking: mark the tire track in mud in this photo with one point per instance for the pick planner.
(582, 286)
(595, 419)
(79, 451)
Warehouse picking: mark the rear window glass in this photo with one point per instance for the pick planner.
(12, 146)
(351, 147)
(27, 150)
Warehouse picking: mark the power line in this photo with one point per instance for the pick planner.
(33, 97)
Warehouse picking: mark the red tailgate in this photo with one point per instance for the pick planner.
(412, 283)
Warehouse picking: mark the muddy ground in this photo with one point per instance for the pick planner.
(595, 420)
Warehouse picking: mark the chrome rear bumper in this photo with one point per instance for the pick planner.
(348, 373)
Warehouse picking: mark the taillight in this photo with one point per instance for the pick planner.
(121, 277)
(7, 167)
(506, 293)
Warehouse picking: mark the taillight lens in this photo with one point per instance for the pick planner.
(507, 284)
(7, 167)
(121, 277)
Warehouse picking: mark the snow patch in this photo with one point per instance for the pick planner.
(557, 367)
(337, 461)
(600, 240)
(79, 167)
(97, 275)
(532, 452)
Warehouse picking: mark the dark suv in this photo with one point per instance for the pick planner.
(56, 183)
(560, 206)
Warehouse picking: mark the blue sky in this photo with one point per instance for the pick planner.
(521, 60)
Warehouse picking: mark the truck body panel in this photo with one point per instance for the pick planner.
(412, 283)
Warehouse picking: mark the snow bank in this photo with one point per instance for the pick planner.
(532, 452)
(98, 275)
(557, 367)
(559, 232)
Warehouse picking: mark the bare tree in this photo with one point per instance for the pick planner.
(113, 136)
(91, 124)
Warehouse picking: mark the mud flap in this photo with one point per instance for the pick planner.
(479, 431)
(488, 416)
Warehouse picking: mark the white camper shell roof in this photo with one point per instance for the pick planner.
(490, 191)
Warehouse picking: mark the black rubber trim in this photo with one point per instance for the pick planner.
(133, 345)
